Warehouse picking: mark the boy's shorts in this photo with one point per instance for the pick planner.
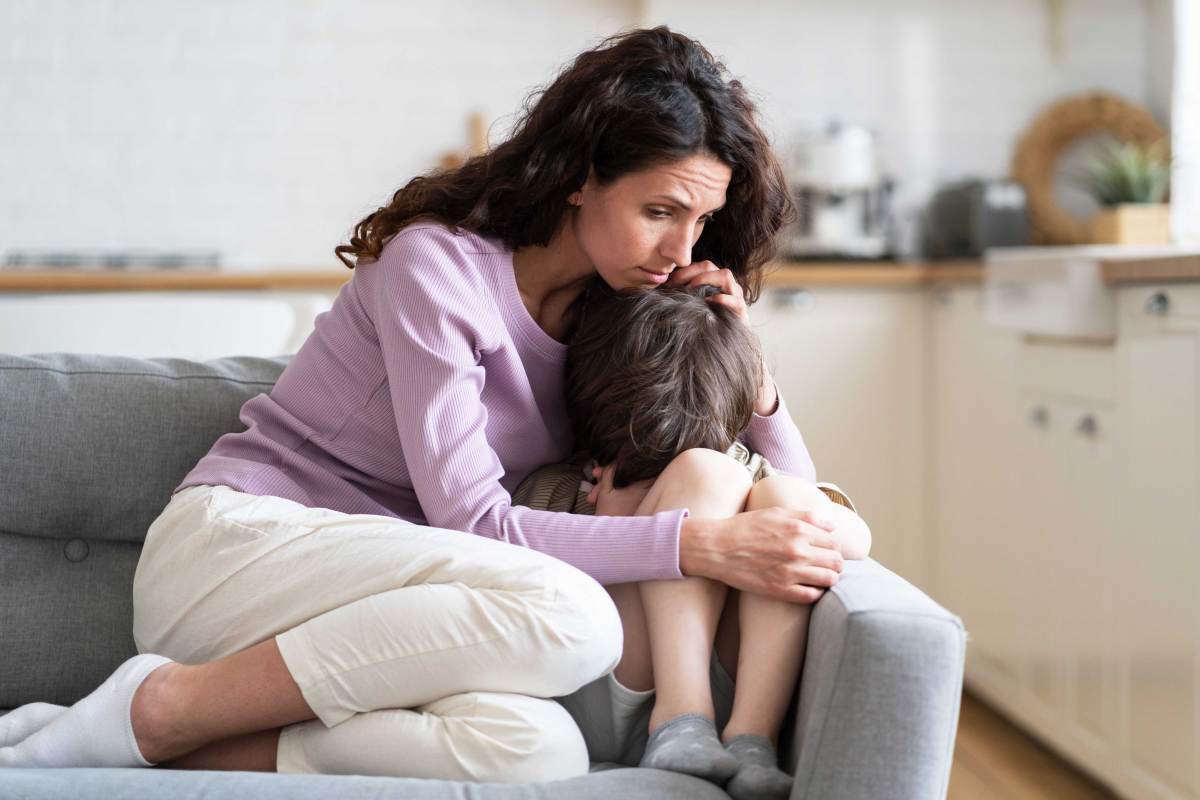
(565, 486)
(615, 719)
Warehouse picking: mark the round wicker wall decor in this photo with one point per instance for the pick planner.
(1053, 132)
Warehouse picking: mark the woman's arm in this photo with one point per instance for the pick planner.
(778, 439)
(432, 310)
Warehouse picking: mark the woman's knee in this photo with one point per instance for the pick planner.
(589, 637)
(529, 739)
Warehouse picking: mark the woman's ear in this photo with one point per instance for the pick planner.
(575, 198)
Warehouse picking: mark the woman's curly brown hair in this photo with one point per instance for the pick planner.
(654, 372)
(638, 100)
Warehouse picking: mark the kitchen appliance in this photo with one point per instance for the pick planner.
(102, 260)
(966, 218)
(842, 199)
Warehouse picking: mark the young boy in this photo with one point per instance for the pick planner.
(651, 374)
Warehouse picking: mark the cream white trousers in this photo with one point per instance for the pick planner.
(424, 652)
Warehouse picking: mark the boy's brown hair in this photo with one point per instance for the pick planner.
(653, 372)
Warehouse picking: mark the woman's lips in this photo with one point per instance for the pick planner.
(657, 277)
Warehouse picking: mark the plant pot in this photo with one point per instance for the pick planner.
(1133, 223)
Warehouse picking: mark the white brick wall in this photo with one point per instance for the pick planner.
(949, 85)
(265, 128)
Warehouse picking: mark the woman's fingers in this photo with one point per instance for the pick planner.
(816, 576)
(819, 519)
(682, 276)
(797, 593)
(706, 272)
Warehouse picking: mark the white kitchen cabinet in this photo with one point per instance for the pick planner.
(1085, 591)
(974, 507)
(1067, 483)
(1071, 646)
(149, 324)
(1062, 500)
(1157, 570)
(1022, 501)
(850, 363)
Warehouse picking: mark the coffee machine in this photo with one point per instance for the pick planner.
(842, 199)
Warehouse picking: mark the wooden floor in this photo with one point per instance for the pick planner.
(995, 760)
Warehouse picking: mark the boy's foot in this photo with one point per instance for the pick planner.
(759, 776)
(20, 723)
(689, 744)
(96, 731)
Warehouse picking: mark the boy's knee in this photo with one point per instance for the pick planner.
(787, 491)
(712, 468)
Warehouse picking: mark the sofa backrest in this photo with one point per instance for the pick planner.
(90, 448)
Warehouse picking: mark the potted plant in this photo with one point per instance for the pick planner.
(1130, 182)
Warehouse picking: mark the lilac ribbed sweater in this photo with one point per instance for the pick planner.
(427, 393)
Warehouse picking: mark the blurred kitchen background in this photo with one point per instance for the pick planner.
(986, 321)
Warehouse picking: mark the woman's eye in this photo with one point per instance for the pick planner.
(658, 213)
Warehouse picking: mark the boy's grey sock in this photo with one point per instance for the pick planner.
(689, 744)
(759, 776)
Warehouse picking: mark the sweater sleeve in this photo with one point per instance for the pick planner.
(778, 439)
(431, 312)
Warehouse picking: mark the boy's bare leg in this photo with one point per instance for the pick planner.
(771, 655)
(636, 670)
(682, 619)
(224, 714)
(682, 616)
(773, 633)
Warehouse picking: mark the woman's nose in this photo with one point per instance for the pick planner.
(679, 248)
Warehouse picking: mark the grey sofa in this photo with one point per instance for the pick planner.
(90, 448)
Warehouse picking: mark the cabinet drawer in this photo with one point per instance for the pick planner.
(1082, 371)
(1154, 307)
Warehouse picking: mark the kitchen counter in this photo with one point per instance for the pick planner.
(1153, 270)
(780, 274)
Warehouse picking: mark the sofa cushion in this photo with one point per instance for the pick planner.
(92, 445)
(90, 448)
(138, 784)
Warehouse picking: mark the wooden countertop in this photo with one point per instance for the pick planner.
(1153, 270)
(780, 274)
(783, 274)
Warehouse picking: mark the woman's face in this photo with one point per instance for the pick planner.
(639, 228)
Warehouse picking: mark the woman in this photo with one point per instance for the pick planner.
(308, 600)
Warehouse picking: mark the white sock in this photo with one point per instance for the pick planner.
(96, 731)
(17, 724)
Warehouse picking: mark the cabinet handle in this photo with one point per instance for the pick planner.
(1040, 417)
(1158, 304)
(793, 299)
(1087, 425)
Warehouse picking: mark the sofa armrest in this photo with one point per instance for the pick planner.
(877, 709)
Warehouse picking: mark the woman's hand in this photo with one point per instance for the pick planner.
(789, 555)
(733, 298)
(706, 272)
(611, 502)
